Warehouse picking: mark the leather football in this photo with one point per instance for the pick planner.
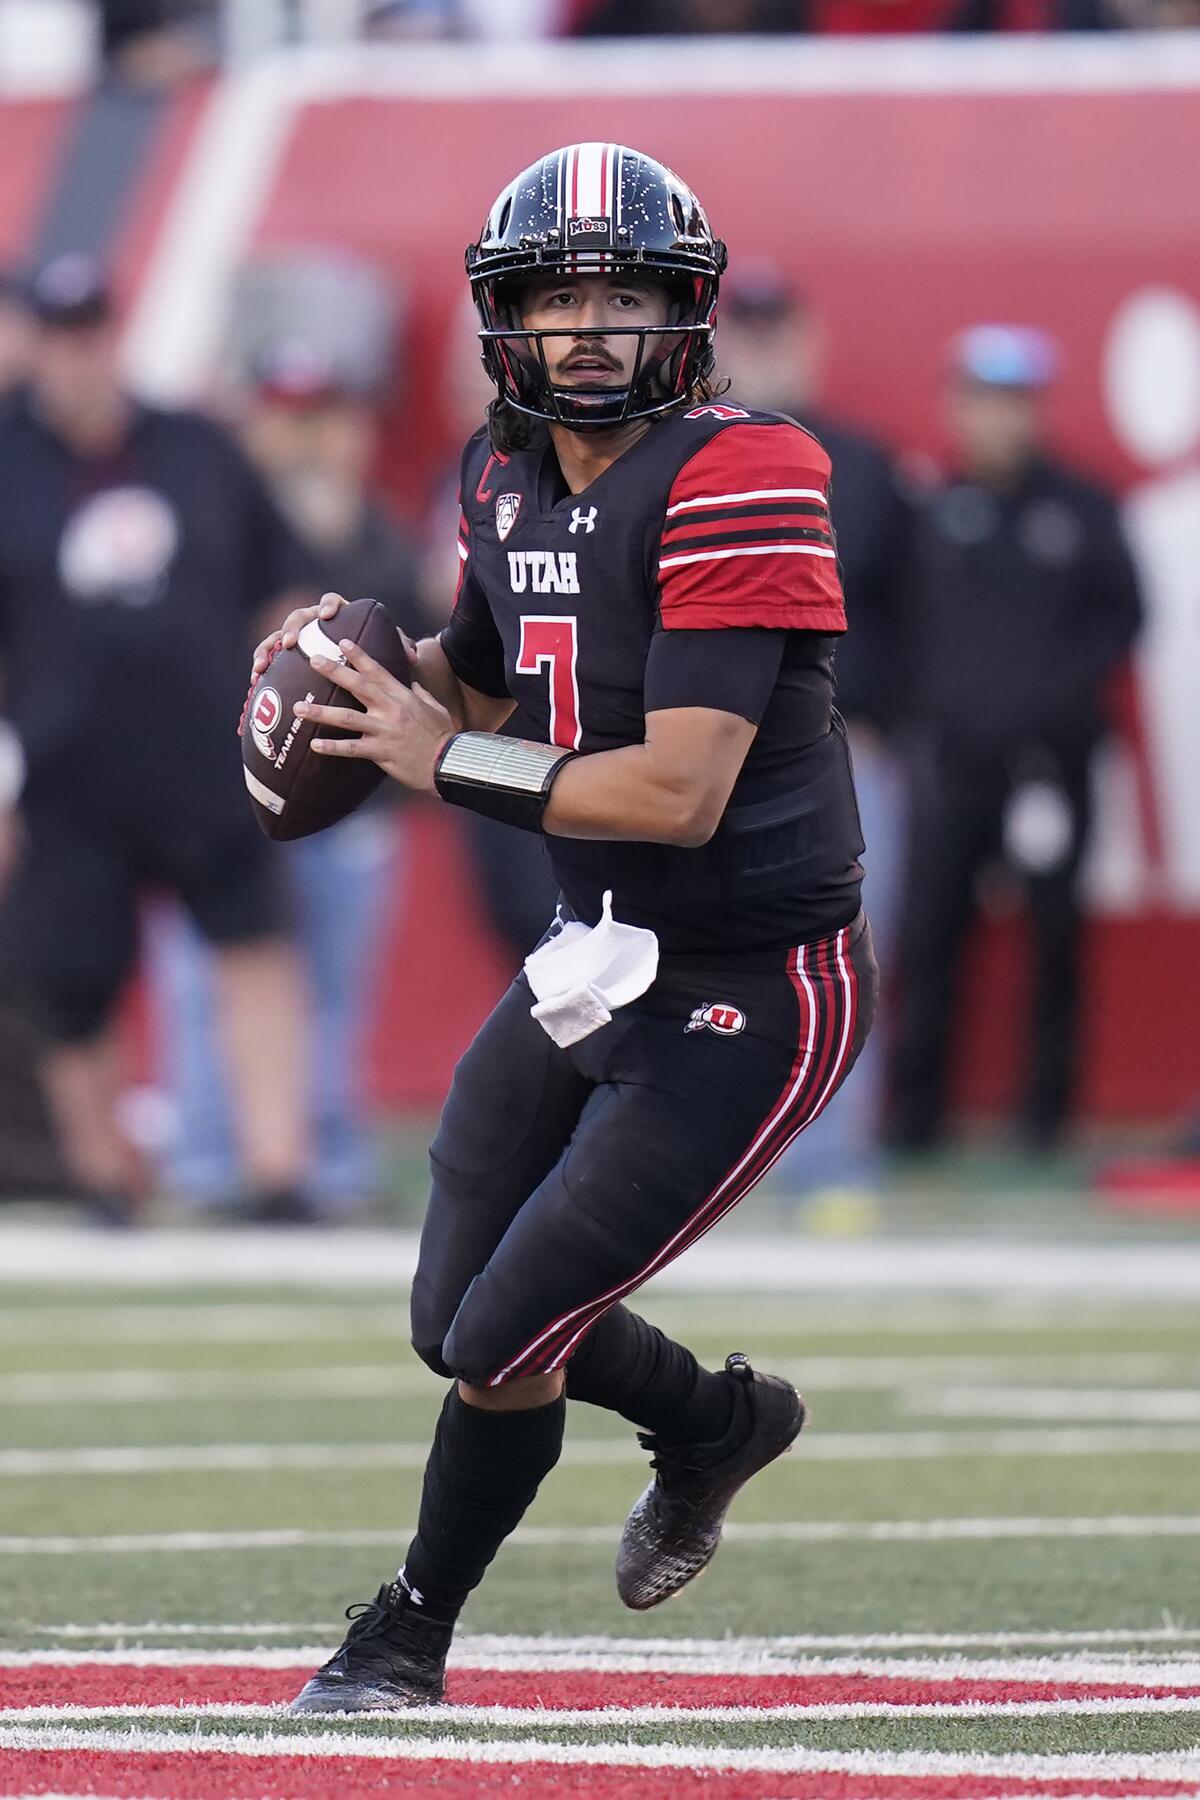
(295, 791)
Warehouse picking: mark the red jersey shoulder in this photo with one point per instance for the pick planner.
(764, 444)
(747, 538)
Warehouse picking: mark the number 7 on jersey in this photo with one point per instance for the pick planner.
(551, 642)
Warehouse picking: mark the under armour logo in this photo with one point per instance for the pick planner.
(586, 519)
(406, 1587)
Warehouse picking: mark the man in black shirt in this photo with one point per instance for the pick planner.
(1025, 604)
(650, 592)
(310, 430)
(137, 550)
(771, 344)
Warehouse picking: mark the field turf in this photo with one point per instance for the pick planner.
(978, 1574)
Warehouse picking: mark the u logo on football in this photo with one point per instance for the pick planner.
(268, 711)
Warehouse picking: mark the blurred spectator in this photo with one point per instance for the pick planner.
(1163, 15)
(509, 20)
(157, 43)
(138, 552)
(27, 1157)
(1025, 605)
(16, 331)
(413, 19)
(312, 433)
(871, 18)
(664, 18)
(770, 345)
(515, 882)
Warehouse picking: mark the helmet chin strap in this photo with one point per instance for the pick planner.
(571, 421)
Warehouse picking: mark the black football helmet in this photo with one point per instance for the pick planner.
(597, 209)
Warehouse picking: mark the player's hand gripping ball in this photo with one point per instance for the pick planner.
(295, 790)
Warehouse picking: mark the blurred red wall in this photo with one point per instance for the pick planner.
(905, 217)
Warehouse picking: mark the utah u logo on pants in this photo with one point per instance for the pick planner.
(726, 1021)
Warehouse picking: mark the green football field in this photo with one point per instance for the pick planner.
(991, 1489)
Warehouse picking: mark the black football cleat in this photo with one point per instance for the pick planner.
(394, 1656)
(673, 1531)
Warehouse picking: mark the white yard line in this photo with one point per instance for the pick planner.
(964, 1402)
(798, 1531)
(541, 1718)
(191, 1629)
(745, 1263)
(929, 1314)
(1181, 1765)
(716, 1656)
(852, 1373)
(481, 1646)
(846, 1446)
(223, 1322)
(820, 1374)
(148, 1321)
(131, 1386)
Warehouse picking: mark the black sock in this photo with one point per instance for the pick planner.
(632, 1368)
(482, 1473)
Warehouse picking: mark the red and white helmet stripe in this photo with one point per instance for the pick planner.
(589, 177)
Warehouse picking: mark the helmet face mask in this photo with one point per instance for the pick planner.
(596, 210)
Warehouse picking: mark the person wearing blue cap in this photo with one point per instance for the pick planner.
(1025, 604)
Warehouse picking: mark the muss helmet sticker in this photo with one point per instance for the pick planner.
(507, 508)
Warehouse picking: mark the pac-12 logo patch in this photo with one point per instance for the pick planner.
(726, 1021)
(268, 710)
(507, 508)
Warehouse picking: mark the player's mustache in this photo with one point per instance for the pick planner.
(589, 352)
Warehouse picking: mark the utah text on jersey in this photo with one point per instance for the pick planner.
(543, 571)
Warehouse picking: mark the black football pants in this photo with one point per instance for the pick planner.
(563, 1179)
(956, 829)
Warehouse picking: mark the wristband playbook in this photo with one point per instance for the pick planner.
(504, 778)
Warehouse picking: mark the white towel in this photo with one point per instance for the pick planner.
(585, 973)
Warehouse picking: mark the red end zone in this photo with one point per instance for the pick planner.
(120, 1685)
(193, 1775)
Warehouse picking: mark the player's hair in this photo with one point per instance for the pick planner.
(510, 430)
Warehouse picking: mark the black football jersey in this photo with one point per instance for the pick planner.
(715, 521)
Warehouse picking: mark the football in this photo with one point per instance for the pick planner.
(293, 790)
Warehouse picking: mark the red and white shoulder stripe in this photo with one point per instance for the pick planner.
(747, 538)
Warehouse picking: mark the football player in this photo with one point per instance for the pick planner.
(649, 602)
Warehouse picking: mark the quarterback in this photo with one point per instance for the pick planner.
(639, 668)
